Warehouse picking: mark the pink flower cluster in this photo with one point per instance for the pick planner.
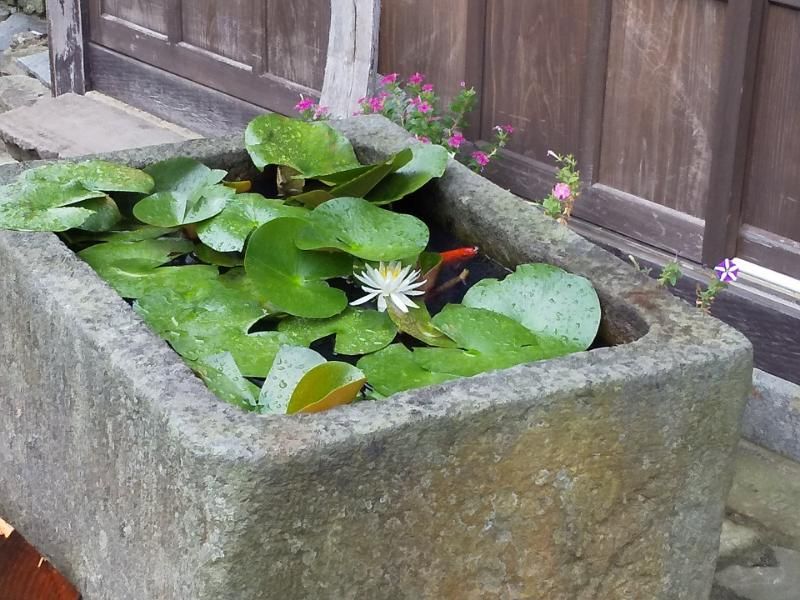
(311, 109)
(481, 158)
(562, 192)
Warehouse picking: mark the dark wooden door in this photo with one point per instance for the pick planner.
(264, 52)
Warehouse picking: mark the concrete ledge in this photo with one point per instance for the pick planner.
(598, 475)
(772, 415)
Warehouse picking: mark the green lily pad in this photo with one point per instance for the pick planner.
(360, 185)
(186, 191)
(228, 231)
(482, 330)
(290, 365)
(429, 162)
(223, 377)
(357, 331)
(562, 309)
(220, 259)
(312, 149)
(293, 280)
(136, 234)
(394, 370)
(357, 227)
(105, 214)
(134, 268)
(326, 386)
(96, 175)
(418, 324)
(47, 206)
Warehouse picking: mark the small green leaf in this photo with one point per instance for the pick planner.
(365, 182)
(223, 377)
(96, 175)
(228, 231)
(429, 162)
(357, 227)
(357, 331)
(312, 149)
(290, 365)
(292, 279)
(221, 259)
(562, 309)
(394, 370)
(186, 191)
(326, 386)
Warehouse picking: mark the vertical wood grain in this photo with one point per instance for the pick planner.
(150, 14)
(297, 40)
(731, 128)
(772, 184)
(663, 80)
(67, 68)
(534, 72)
(232, 29)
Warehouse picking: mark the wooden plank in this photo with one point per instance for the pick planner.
(535, 68)
(232, 29)
(772, 185)
(663, 78)
(150, 14)
(770, 321)
(66, 47)
(27, 575)
(297, 40)
(670, 230)
(770, 250)
(731, 130)
(200, 66)
(171, 97)
(593, 97)
(352, 55)
(437, 38)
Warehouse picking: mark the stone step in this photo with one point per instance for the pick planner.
(72, 125)
(772, 416)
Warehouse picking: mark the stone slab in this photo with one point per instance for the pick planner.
(598, 475)
(72, 125)
(772, 416)
(20, 90)
(37, 66)
(18, 23)
(766, 492)
(778, 582)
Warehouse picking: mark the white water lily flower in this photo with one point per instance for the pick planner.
(390, 283)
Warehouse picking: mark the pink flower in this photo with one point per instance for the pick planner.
(424, 139)
(416, 79)
(562, 192)
(481, 158)
(463, 84)
(375, 104)
(321, 112)
(456, 140)
(424, 107)
(389, 79)
(428, 87)
(508, 129)
(305, 104)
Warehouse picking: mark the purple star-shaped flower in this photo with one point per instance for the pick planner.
(727, 271)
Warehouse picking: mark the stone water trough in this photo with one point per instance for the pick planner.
(601, 475)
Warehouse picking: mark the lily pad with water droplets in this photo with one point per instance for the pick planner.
(293, 280)
(429, 162)
(312, 149)
(222, 376)
(357, 331)
(49, 206)
(290, 365)
(394, 370)
(97, 175)
(357, 227)
(562, 309)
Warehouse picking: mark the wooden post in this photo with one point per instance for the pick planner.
(352, 55)
(66, 47)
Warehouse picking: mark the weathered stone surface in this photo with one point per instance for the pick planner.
(766, 491)
(777, 582)
(19, 90)
(37, 65)
(772, 415)
(19, 23)
(598, 475)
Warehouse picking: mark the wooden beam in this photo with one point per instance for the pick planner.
(352, 55)
(67, 67)
(732, 127)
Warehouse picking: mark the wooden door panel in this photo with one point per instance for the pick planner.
(297, 40)
(233, 29)
(663, 76)
(534, 71)
(150, 14)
